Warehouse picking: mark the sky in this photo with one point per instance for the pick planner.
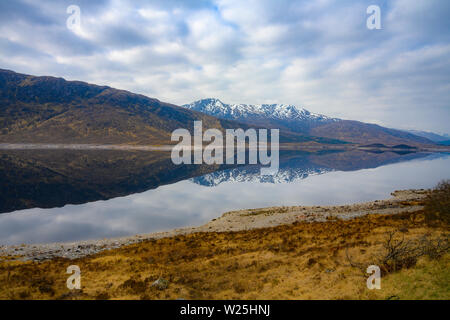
(319, 55)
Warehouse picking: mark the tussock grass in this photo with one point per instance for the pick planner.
(299, 261)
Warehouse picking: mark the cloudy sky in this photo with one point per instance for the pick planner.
(316, 54)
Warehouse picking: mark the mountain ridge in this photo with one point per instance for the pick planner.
(236, 111)
(53, 110)
(48, 109)
(299, 119)
(283, 116)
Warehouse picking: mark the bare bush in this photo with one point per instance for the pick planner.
(398, 253)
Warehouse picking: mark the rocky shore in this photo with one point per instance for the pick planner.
(401, 202)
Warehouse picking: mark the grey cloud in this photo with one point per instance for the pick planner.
(21, 11)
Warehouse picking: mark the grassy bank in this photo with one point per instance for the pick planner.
(300, 261)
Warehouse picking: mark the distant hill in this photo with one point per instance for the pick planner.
(445, 143)
(360, 132)
(431, 135)
(297, 119)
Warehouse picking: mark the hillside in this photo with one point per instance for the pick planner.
(53, 110)
(360, 132)
(48, 109)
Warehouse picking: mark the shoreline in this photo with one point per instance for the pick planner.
(168, 147)
(82, 146)
(402, 201)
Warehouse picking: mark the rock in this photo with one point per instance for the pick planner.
(160, 284)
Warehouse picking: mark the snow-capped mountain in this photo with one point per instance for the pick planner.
(252, 174)
(284, 115)
(217, 108)
(297, 123)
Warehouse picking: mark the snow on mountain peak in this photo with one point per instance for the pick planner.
(252, 174)
(215, 107)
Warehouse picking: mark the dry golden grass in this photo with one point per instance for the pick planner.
(300, 261)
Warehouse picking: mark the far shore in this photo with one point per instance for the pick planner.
(403, 201)
(168, 147)
(82, 146)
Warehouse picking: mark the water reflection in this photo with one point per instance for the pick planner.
(301, 165)
(143, 192)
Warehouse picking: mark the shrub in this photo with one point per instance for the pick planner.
(437, 203)
(398, 253)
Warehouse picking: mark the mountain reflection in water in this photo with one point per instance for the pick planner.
(54, 178)
(53, 195)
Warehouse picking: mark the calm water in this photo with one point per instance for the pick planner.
(136, 202)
